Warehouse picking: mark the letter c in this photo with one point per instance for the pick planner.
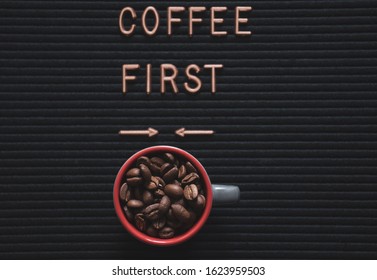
(121, 25)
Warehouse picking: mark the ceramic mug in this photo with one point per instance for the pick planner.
(215, 195)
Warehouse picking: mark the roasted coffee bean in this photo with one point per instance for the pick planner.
(190, 168)
(123, 191)
(192, 218)
(151, 231)
(170, 216)
(190, 192)
(145, 173)
(148, 198)
(134, 172)
(169, 157)
(128, 214)
(128, 195)
(172, 221)
(159, 223)
(153, 184)
(176, 182)
(181, 202)
(173, 191)
(174, 224)
(134, 203)
(165, 168)
(159, 193)
(151, 212)
(180, 212)
(164, 204)
(191, 178)
(158, 161)
(134, 181)
(166, 232)
(155, 169)
(143, 160)
(181, 172)
(171, 175)
(138, 193)
(190, 222)
(199, 203)
(161, 182)
(140, 222)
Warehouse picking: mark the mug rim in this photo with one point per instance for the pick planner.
(131, 228)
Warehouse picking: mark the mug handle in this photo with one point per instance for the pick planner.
(225, 194)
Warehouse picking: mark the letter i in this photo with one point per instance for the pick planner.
(149, 78)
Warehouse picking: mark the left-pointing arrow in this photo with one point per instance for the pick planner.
(150, 132)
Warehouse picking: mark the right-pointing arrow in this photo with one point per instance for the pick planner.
(150, 132)
(182, 132)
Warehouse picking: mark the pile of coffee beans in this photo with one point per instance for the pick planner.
(162, 195)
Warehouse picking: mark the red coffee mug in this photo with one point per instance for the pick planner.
(225, 194)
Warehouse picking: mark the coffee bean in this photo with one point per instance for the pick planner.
(165, 168)
(128, 213)
(171, 175)
(153, 184)
(192, 218)
(155, 169)
(159, 193)
(134, 181)
(190, 179)
(128, 195)
(181, 172)
(172, 221)
(173, 191)
(190, 192)
(190, 222)
(169, 157)
(166, 232)
(145, 173)
(164, 204)
(181, 201)
(161, 182)
(159, 223)
(123, 191)
(174, 224)
(134, 203)
(190, 168)
(152, 212)
(158, 161)
(176, 182)
(170, 216)
(143, 160)
(134, 172)
(151, 231)
(138, 193)
(199, 203)
(140, 222)
(148, 197)
(180, 212)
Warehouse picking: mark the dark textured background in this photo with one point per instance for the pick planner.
(295, 115)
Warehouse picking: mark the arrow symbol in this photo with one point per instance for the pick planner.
(150, 132)
(182, 132)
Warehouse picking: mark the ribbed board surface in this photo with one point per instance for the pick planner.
(295, 116)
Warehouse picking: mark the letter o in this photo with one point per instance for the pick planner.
(156, 24)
